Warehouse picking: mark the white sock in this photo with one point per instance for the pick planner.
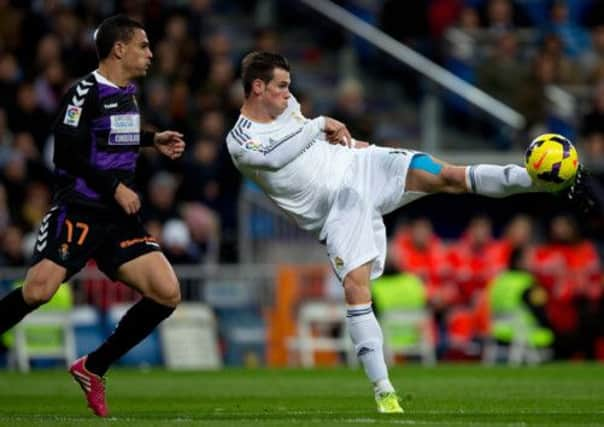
(498, 181)
(368, 343)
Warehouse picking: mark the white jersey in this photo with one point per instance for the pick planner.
(292, 162)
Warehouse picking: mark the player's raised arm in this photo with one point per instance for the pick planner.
(273, 152)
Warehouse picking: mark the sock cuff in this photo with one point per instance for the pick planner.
(471, 179)
(155, 308)
(358, 310)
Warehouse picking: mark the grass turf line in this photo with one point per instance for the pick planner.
(446, 395)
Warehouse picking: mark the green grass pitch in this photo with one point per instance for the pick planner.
(446, 395)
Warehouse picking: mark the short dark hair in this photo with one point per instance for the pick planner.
(113, 29)
(260, 65)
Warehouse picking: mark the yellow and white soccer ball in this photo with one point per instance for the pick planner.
(552, 162)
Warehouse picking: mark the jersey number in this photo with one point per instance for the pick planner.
(79, 225)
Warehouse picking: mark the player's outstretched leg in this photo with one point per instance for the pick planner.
(367, 338)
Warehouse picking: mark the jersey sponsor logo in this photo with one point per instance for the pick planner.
(72, 116)
(147, 240)
(125, 129)
(109, 106)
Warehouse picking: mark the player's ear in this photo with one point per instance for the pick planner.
(258, 86)
(119, 49)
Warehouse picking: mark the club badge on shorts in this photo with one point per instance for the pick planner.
(339, 262)
(64, 251)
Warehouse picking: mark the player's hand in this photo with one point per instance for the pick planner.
(127, 199)
(336, 132)
(170, 143)
(359, 144)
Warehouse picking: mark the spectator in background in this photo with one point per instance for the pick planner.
(517, 234)
(156, 110)
(499, 17)
(10, 76)
(351, 108)
(161, 192)
(475, 258)
(180, 106)
(49, 86)
(27, 112)
(212, 125)
(568, 267)
(532, 95)
(574, 38)
(48, 51)
(503, 75)
(35, 205)
(184, 47)
(5, 214)
(418, 250)
(205, 227)
(592, 60)
(11, 252)
(6, 138)
(592, 127)
(214, 92)
(15, 179)
(176, 243)
(200, 174)
(567, 70)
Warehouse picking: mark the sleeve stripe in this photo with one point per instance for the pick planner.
(241, 133)
(282, 140)
(236, 138)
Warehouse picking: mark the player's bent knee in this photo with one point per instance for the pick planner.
(42, 282)
(37, 291)
(167, 294)
(356, 290)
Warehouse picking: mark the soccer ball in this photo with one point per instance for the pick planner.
(552, 162)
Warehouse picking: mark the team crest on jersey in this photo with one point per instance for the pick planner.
(254, 145)
(72, 116)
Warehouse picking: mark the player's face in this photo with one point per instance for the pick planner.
(137, 54)
(276, 92)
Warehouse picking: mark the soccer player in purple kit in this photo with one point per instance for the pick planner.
(95, 207)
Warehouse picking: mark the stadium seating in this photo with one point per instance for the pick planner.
(146, 353)
(400, 301)
(188, 338)
(514, 331)
(47, 333)
(315, 317)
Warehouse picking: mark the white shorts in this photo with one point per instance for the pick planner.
(354, 230)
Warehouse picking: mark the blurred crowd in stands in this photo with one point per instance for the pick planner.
(566, 289)
(512, 49)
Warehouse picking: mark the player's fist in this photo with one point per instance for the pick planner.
(127, 199)
(336, 132)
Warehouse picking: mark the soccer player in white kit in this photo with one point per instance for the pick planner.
(339, 189)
